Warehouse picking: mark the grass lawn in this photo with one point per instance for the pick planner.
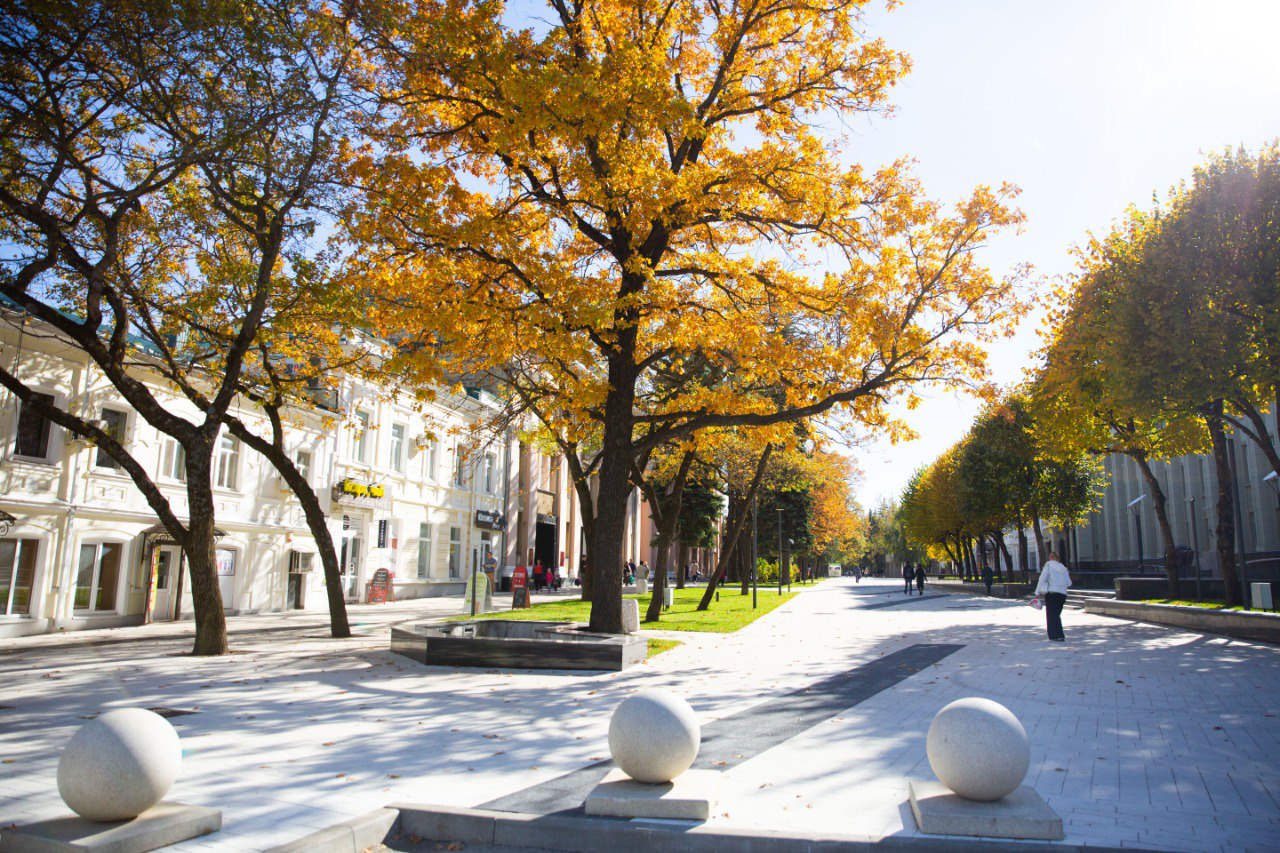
(730, 613)
(657, 647)
(1208, 605)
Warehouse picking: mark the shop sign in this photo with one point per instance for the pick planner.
(488, 520)
(520, 587)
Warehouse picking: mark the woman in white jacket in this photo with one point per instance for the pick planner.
(1052, 588)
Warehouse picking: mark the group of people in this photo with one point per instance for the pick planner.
(913, 574)
(1051, 589)
(545, 577)
(631, 571)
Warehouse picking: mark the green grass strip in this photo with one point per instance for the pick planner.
(731, 612)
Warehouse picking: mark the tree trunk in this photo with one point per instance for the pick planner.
(617, 458)
(1160, 502)
(1041, 548)
(668, 523)
(1225, 530)
(1024, 559)
(275, 453)
(1008, 559)
(682, 561)
(729, 546)
(199, 547)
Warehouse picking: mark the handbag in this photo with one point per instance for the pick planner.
(1036, 603)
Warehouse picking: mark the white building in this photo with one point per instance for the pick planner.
(82, 548)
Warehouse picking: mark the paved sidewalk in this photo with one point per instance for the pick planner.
(1141, 736)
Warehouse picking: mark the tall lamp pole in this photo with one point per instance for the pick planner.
(1137, 521)
(755, 545)
(780, 511)
(1195, 543)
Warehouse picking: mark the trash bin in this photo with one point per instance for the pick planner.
(669, 596)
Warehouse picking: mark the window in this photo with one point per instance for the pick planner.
(360, 438)
(459, 459)
(97, 576)
(173, 461)
(226, 462)
(33, 430)
(302, 461)
(425, 531)
(429, 461)
(397, 447)
(113, 424)
(17, 571)
(455, 552)
(490, 464)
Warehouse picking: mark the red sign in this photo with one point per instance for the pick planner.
(520, 587)
(379, 587)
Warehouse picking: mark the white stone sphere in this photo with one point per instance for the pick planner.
(978, 749)
(119, 765)
(654, 736)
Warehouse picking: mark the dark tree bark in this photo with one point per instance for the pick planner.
(274, 452)
(1041, 548)
(1225, 531)
(734, 531)
(1024, 559)
(1160, 502)
(667, 520)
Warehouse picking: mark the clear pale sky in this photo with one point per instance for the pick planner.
(1088, 105)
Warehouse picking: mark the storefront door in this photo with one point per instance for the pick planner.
(349, 559)
(166, 581)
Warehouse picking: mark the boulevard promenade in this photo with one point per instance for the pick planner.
(1141, 736)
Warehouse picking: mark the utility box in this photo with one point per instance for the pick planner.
(1262, 596)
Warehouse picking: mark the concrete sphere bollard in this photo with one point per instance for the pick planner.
(119, 765)
(978, 749)
(654, 736)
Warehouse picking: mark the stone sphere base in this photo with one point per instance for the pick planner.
(119, 765)
(654, 736)
(978, 749)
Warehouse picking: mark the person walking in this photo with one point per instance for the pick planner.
(1054, 582)
(920, 578)
(908, 575)
(857, 574)
(987, 577)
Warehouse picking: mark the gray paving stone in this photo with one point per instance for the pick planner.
(161, 825)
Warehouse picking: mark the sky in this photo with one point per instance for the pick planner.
(1089, 106)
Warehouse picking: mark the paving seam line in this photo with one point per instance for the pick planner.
(417, 824)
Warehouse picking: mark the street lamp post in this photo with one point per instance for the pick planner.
(780, 511)
(1137, 521)
(755, 545)
(1273, 480)
(1195, 544)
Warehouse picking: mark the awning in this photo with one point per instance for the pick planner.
(159, 534)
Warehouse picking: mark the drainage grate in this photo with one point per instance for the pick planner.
(6, 707)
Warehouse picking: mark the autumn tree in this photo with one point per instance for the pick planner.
(1187, 294)
(628, 183)
(159, 173)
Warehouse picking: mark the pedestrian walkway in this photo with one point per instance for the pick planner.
(1141, 736)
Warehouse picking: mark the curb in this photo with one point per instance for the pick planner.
(352, 836)
(575, 833)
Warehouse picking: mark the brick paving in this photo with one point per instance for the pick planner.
(1141, 735)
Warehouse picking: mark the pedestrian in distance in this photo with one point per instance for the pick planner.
(987, 577)
(1054, 582)
(857, 574)
(920, 579)
(908, 575)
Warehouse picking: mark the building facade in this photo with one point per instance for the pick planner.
(418, 489)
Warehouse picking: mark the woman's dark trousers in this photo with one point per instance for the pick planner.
(1053, 602)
